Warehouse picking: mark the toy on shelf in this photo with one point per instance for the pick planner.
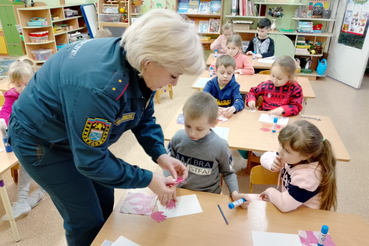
(136, 4)
(124, 15)
(37, 21)
(317, 28)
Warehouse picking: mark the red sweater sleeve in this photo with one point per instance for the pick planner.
(295, 105)
(253, 93)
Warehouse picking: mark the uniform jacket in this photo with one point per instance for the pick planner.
(228, 96)
(83, 99)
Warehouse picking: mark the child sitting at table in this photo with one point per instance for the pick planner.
(202, 151)
(224, 87)
(261, 44)
(234, 49)
(220, 44)
(282, 95)
(20, 72)
(307, 169)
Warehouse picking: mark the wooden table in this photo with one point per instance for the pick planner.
(245, 134)
(8, 160)
(209, 228)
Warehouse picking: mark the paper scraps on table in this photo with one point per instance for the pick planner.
(171, 205)
(222, 132)
(138, 203)
(222, 118)
(268, 127)
(178, 181)
(309, 238)
(180, 119)
(201, 82)
(276, 239)
(269, 119)
(185, 205)
(122, 241)
(158, 216)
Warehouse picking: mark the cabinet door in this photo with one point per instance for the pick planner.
(15, 50)
(8, 22)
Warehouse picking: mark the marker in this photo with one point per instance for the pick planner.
(275, 125)
(223, 215)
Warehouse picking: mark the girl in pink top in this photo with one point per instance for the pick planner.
(307, 169)
(220, 44)
(20, 72)
(234, 49)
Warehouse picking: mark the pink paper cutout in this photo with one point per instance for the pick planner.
(171, 205)
(138, 203)
(158, 216)
(265, 129)
(309, 238)
(178, 181)
(279, 127)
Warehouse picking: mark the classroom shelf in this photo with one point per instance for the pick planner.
(77, 29)
(245, 17)
(274, 3)
(291, 33)
(314, 19)
(313, 74)
(320, 55)
(69, 18)
(48, 42)
(204, 15)
(35, 27)
(133, 14)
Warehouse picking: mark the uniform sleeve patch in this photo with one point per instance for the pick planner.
(125, 117)
(96, 131)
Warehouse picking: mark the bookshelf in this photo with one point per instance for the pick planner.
(206, 17)
(55, 18)
(112, 17)
(288, 25)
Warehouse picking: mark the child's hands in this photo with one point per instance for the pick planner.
(258, 56)
(228, 112)
(166, 198)
(277, 164)
(236, 196)
(277, 111)
(264, 197)
(237, 71)
(220, 111)
(249, 53)
(252, 105)
(159, 185)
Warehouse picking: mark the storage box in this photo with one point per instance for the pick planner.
(39, 37)
(42, 54)
(110, 17)
(305, 26)
(241, 27)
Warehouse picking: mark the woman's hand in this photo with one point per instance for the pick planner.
(159, 184)
(236, 196)
(174, 166)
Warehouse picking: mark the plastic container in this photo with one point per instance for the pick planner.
(42, 54)
(37, 21)
(110, 17)
(322, 235)
(39, 37)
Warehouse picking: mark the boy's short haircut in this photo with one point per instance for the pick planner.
(201, 104)
(264, 23)
(103, 33)
(225, 61)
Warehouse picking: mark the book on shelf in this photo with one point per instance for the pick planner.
(214, 25)
(183, 6)
(193, 7)
(204, 8)
(203, 26)
(215, 6)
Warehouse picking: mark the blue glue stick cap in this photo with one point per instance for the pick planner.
(275, 120)
(231, 205)
(325, 229)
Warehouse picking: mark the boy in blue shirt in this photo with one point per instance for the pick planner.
(224, 87)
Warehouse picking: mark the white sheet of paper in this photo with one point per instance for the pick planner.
(222, 132)
(269, 119)
(270, 61)
(201, 82)
(107, 243)
(185, 205)
(1, 149)
(276, 239)
(122, 241)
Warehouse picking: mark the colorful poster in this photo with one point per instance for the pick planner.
(356, 17)
(319, 3)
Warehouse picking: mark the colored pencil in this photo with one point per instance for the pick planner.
(223, 214)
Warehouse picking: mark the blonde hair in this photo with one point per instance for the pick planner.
(227, 26)
(21, 69)
(226, 61)
(164, 37)
(287, 65)
(201, 104)
(103, 33)
(306, 139)
(236, 40)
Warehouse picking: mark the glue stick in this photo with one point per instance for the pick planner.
(275, 125)
(211, 72)
(322, 235)
(253, 55)
(216, 53)
(237, 203)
